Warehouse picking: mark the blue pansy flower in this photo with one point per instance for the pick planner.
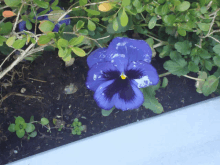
(22, 24)
(117, 72)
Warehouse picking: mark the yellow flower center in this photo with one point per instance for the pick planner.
(123, 76)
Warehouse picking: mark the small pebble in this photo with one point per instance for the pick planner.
(23, 90)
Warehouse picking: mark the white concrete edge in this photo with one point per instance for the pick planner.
(186, 136)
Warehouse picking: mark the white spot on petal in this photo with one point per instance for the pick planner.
(94, 77)
(142, 82)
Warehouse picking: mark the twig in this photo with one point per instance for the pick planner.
(214, 39)
(37, 80)
(7, 58)
(197, 79)
(17, 18)
(20, 58)
(19, 94)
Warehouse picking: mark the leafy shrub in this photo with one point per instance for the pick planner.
(185, 32)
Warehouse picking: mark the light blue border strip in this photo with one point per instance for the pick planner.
(187, 136)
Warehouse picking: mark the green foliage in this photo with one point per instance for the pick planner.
(150, 102)
(107, 112)
(77, 127)
(21, 127)
(185, 33)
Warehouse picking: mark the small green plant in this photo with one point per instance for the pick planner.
(77, 127)
(21, 127)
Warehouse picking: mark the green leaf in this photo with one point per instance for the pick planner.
(10, 41)
(152, 22)
(42, 4)
(30, 127)
(168, 19)
(216, 49)
(124, 18)
(44, 39)
(91, 25)
(210, 85)
(82, 2)
(84, 32)
(2, 40)
(56, 15)
(204, 54)
(67, 58)
(178, 67)
(165, 9)
(138, 5)
(208, 65)
(20, 133)
(199, 84)
(6, 28)
(183, 47)
(31, 118)
(92, 12)
(115, 24)
(78, 51)
(12, 3)
(18, 44)
(62, 42)
(204, 26)
(216, 60)
(46, 26)
(165, 51)
(150, 41)
(28, 25)
(55, 3)
(150, 101)
(125, 3)
(44, 121)
(33, 134)
(165, 82)
(203, 10)
(61, 52)
(80, 24)
(107, 112)
(76, 41)
(11, 128)
(193, 67)
(183, 6)
(181, 32)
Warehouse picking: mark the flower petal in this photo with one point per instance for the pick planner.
(122, 93)
(134, 50)
(96, 56)
(100, 73)
(22, 26)
(129, 98)
(142, 73)
(102, 100)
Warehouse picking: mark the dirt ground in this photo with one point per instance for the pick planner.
(43, 83)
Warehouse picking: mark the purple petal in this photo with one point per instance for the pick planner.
(96, 56)
(22, 26)
(56, 28)
(128, 99)
(142, 73)
(100, 97)
(100, 73)
(134, 50)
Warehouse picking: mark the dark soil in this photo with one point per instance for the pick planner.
(47, 77)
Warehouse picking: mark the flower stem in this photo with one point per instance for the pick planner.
(193, 78)
(164, 74)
